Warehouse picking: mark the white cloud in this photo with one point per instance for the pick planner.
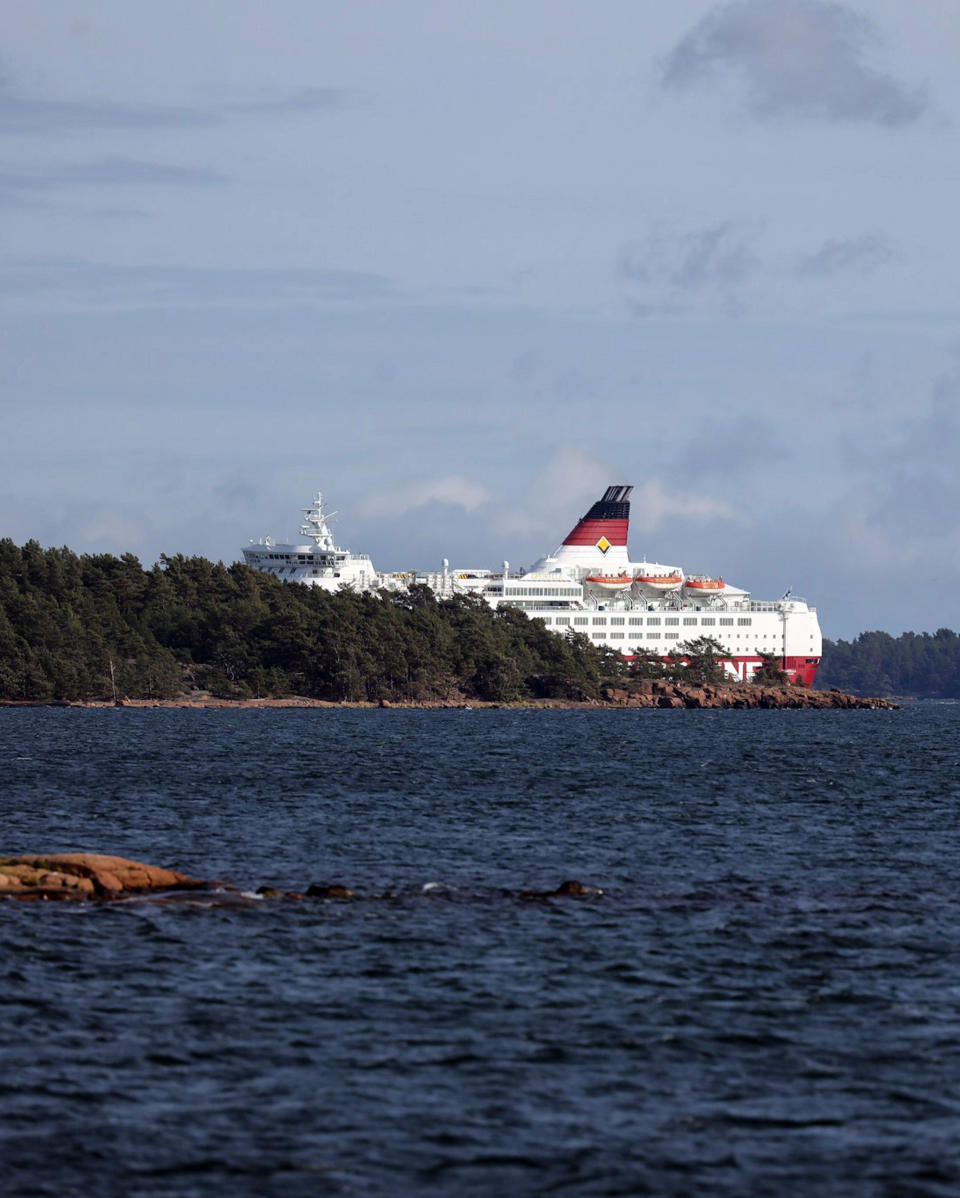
(110, 531)
(563, 489)
(653, 504)
(452, 489)
(557, 495)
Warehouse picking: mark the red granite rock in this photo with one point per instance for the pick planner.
(85, 875)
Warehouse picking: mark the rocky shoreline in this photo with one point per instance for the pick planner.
(644, 694)
(740, 696)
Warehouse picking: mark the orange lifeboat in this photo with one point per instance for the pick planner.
(610, 582)
(704, 586)
(660, 582)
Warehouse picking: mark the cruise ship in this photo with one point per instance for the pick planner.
(588, 585)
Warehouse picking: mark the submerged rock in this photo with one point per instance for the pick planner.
(570, 888)
(271, 892)
(333, 891)
(579, 889)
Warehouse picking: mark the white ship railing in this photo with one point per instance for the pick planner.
(794, 603)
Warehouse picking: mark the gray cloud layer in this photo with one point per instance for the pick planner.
(70, 116)
(670, 269)
(109, 172)
(20, 114)
(673, 270)
(195, 287)
(304, 99)
(795, 58)
(860, 255)
(719, 254)
(916, 488)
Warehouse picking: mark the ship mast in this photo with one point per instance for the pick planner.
(315, 526)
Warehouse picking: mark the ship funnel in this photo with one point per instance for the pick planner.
(607, 521)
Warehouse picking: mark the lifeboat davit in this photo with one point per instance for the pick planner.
(703, 587)
(610, 583)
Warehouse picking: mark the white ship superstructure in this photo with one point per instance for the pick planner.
(315, 559)
(589, 585)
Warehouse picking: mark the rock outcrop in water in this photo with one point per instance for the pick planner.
(93, 876)
(85, 875)
(737, 696)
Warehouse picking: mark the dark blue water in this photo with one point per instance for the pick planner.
(766, 1000)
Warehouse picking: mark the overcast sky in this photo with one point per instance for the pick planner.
(461, 266)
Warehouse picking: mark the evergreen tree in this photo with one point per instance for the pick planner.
(922, 665)
(700, 661)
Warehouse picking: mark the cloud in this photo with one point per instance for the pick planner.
(670, 267)
(110, 172)
(857, 255)
(11, 196)
(453, 490)
(907, 495)
(108, 527)
(719, 268)
(303, 99)
(19, 114)
(716, 450)
(121, 286)
(237, 489)
(116, 213)
(794, 58)
(562, 490)
(571, 474)
(654, 504)
(559, 492)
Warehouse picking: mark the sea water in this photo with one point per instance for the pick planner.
(764, 1000)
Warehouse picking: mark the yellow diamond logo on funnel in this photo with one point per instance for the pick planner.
(603, 544)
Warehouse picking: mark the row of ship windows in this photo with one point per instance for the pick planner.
(705, 622)
(511, 592)
(638, 636)
(303, 559)
(635, 636)
(292, 570)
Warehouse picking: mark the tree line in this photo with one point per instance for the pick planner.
(918, 664)
(78, 627)
(96, 626)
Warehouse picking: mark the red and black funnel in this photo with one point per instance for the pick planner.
(609, 517)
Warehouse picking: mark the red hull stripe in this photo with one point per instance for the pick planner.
(802, 670)
(588, 532)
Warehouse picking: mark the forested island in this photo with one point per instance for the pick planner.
(919, 665)
(99, 627)
(91, 626)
